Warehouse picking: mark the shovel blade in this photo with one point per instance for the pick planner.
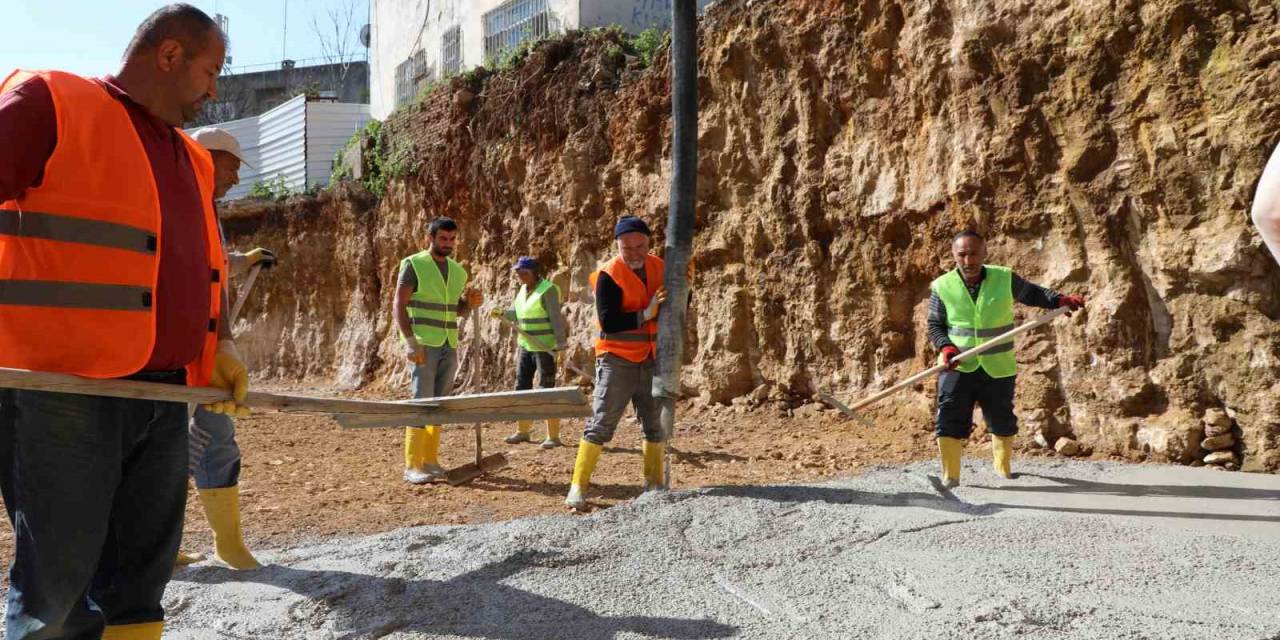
(470, 471)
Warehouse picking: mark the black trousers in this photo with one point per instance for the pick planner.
(957, 394)
(527, 362)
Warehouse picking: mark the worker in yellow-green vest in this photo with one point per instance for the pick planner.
(541, 338)
(968, 306)
(431, 294)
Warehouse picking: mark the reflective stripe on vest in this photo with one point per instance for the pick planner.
(639, 344)
(80, 253)
(974, 322)
(433, 307)
(534, 319)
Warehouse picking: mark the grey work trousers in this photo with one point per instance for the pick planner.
(435, 378)
(618, 382)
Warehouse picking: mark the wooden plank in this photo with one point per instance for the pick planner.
(532, 397)
(563, 402)
(504, 406)
(464, 417)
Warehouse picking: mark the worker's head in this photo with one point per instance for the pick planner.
(175, 57)
(970, 252)
(227, 157)
(633, 237)
(528, 271)
(444, 234)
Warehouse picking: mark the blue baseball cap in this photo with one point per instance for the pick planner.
(526, 262)
(630, 224)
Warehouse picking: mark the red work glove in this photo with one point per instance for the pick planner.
(1074, 303)
(945, 358)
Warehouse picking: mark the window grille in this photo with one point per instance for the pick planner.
(512, 23)
(451, 52)
(412, 76)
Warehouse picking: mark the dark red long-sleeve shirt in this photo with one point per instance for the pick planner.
(29, 131)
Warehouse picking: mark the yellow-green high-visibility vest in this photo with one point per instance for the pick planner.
(973, 322)
(533, 317)
(433, 307)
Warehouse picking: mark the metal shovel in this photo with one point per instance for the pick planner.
(472, 470)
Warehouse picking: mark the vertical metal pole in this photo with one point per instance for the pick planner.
(679, 246)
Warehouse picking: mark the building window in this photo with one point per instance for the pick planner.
(412, 77)
(513, 22)
(451, 52)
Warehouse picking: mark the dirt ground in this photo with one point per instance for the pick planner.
(304, 479)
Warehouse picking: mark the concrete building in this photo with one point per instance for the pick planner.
(416, 42)
(254, 91)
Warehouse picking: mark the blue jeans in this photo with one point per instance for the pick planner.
(434, 379)
(95, 489)
(215, 456)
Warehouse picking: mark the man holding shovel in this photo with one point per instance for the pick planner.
(214, 454)
(541, 340)
(430, 295)
(968, 306)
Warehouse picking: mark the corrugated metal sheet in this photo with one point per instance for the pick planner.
(329, 126)
(296, 140)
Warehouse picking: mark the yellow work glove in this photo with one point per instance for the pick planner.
(496, 313)
(559, 357)
(261, 256)
(229, 373)
(474, 298)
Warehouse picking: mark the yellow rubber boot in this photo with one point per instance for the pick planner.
(523, 427)
(185, 558)
(1001, 452)
(141, 631)
(588, 454)
(413, 441)
(653, 471)
(431, 447)
(553, 434)
(421, 450)
(222, 508)
(950, 449)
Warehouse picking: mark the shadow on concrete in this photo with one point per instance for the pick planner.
(476, 604)
(1074, 485)
(945, 500)
(941, 501)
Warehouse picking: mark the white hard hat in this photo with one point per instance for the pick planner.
(215, 139)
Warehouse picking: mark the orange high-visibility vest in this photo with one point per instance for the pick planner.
(80, 254)
(639, 344)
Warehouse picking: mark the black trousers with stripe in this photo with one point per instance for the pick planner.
(958, 392)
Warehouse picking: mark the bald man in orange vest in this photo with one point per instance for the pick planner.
(111, 266)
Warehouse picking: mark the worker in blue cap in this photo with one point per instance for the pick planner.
(628, 291)
(541, 337)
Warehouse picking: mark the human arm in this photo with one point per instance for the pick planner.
(937, 323)
(405, 286)
(1034, 295)
(551, 302)
(29, 129)
(1266, 205)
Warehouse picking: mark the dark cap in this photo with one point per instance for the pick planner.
(630, 224)
(526, 262)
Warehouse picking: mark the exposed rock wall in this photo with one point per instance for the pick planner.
(1106, 148)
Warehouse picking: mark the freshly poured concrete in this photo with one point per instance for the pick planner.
(1065, 550)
